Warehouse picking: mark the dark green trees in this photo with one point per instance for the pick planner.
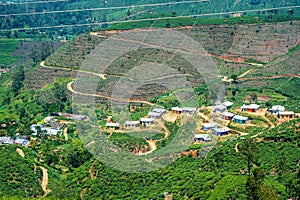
(249, 150)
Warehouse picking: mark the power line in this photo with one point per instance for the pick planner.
(148, 19)
(30, 2)
(107, 8)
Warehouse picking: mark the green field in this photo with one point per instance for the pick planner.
(7, 47)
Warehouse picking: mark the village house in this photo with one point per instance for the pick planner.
(159, 110)
(176, 110)
(189, 110)
(40, 129)
(112, 125)
(132, 124)
(250, 108)
(208, 126)
(220, 131)
(6, 140)
(72, 116)
(202, 137)
(227, 104)
(286, 114)
(276, 109)
(228, 115)
(240, 119)
(21, 141)
(220, 108)
(146, 121)
(155, 115)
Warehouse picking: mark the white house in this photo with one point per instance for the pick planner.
(228, 115)
(176, 110)
(44, 130)
(220, 108)
(208, 126)
(202, 137)
(189, 110)
(132, 124)
(146, 121)
(112, 125)
(227, 104)
(277, 108)
(250, 108)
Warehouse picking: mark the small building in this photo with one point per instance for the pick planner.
(146, 121)
(250, 108)
(220, 131)
(286, 114)
(189, 110)
(227, 104)
(220, 108)
(228, 115)
(112, 125)
(155, 115)
(240, 119)
(72, 116)
(132, 124)
(21, 141)
(6, 140)
(208, 126)
(176, 110)
(44, 130)
(202, 137)
(276, 109)
(159, 110)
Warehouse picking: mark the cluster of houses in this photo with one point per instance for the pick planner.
(50, 127)
(24, 141)
(281, 112)
(155, 113)
(215, 129)
(222, 108)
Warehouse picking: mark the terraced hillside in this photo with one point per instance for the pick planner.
(235, 50)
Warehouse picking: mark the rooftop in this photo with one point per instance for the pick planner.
(278, 107)
(112, 124)
(228, 114)
(189, 109)
(158, 110)
(221, 129)
(251, 106)
(239, 117)
(176, 109)
(132, 122)
(227, 103)
(146, 119)
(202, 136)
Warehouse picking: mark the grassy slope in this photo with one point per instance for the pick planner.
(7, 47)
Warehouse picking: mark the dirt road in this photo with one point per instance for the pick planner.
(70, 88)
(66, 133)
(45, 181)
(20, 152)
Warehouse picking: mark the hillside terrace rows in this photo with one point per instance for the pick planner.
(259, 42)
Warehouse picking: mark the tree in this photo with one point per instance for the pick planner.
(18, 76)
(249, 150)
(234, 77)
(233, 92)
(255, 188)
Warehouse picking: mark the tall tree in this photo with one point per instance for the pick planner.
(249, 150)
